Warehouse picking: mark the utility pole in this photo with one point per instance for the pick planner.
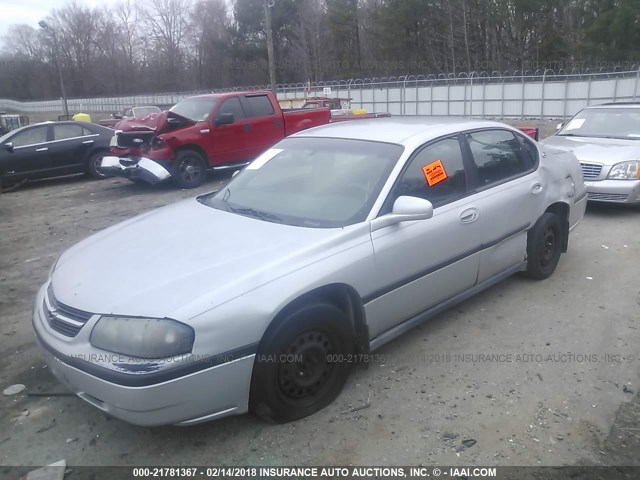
(56, 48)
(272, 67)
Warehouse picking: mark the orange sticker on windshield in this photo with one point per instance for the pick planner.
(434, 173)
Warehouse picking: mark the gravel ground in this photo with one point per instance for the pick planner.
(561, 394)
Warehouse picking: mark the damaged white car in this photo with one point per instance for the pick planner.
(261, 297)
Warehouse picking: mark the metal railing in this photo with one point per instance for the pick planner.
(519, 94)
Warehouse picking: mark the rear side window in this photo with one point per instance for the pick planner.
(436, 174)
(498, 156)
(258, 106)
(232, 105)
(61, 132)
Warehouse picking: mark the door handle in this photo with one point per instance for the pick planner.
(277, 123)
(469, 215)
(536, 188)
(247, 128)
(43, 149)
(87, 142)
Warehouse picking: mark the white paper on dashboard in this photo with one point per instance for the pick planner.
(575, 123)
(264, 158)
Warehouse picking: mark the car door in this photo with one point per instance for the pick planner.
(266, 126)
(229, 142)
(509, 198)
(29, 155)
(420, 264)
(69, 148)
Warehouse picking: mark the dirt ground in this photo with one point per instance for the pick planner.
(563, 392)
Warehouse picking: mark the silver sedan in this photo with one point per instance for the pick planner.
(606, 141)
(260, 297)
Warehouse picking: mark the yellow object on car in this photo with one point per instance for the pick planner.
(82, 117)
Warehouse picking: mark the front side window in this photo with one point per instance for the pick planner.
(311, 182)
(232, 105)
(498, 156)
(30, 137)
(436, 173)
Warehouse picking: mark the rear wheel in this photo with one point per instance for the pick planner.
(189, 170)
(302, 364)
(544, 246)
(94, 163)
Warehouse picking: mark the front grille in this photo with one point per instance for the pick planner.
(63, 318)
(607, 197)
(590, 170)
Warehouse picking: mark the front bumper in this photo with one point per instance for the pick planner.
(204, 395)
(135, 168)
(614, 191)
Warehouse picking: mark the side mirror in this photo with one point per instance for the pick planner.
(9, 146)
(405, 209)
(224, 119)
(559, 127)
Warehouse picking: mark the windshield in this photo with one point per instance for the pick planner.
(604, 123)
(195, 108)
(140, 112)
(311, 182)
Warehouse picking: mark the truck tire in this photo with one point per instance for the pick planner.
(189, 170)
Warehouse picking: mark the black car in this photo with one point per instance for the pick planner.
(52, 149)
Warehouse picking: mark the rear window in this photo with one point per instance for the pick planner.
(258, 106)
(498, 156)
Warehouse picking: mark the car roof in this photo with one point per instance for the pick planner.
(616, 104)
(61, 122)
(400, 130)
(231, 94)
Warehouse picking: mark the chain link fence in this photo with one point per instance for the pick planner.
(544, 94)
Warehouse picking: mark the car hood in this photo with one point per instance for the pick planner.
(158, 122)
(158, 263)
(606, 151)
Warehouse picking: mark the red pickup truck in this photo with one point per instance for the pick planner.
(217, 131)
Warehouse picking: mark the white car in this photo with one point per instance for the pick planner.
(335, 241)
(606, 141)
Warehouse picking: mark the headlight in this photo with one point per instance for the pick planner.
(143, 337)
(625, 171)
(53, 267)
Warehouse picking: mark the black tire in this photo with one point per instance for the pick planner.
(283, 389)
(93, 165)
(189, 170)
(544, 246)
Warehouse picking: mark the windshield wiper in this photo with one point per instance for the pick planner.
(252, 212)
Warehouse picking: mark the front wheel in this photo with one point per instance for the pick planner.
(544, 246)
(189, 170)
(302, 364)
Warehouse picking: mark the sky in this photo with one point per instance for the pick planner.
(30, 12)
